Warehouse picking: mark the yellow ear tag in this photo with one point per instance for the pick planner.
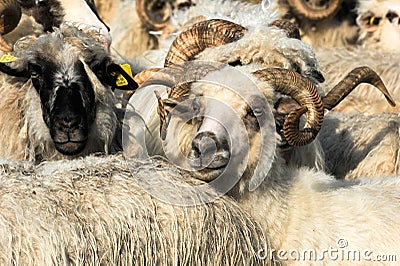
(7, 58)
(121, 81)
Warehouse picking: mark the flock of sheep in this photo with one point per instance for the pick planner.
(191, 132)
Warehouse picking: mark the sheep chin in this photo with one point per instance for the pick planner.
(208, 174)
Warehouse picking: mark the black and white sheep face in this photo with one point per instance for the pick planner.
(71, 73)
(68, 103)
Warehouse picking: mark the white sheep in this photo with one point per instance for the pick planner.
(56, 97)
(98, 211)
(300, 208)
(289, 200)
(272, 48)
(357, 145)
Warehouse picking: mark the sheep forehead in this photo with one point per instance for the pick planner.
(221, 94)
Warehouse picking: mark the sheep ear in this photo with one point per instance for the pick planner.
(6, 67)
(120, 77)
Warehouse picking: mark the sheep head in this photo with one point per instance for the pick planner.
(222, 124)
(68, 69)
(379, 23)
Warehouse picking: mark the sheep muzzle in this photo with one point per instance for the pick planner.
(69, 134)
(208, 152)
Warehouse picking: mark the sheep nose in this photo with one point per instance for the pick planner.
(204, 145)
(67, 123)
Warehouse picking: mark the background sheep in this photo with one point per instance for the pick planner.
(140, 31)
(357, 145)
(322, 23)
(42, 16)
(56, 97)
(379, 24)
(96, 211)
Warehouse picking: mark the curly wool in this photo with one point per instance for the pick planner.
(95, 211)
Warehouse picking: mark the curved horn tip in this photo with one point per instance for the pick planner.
(303, 92)
(358, 75)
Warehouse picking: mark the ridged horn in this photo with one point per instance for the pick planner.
(144, 75)
(154, 14)
(204, 34)
(291, 29)
(304, 93)
(358, 75)
(315, 9)
(163, 115)
(176, 95)
(10, 15)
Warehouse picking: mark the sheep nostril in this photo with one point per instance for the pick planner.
(67, 123)
(204, 147)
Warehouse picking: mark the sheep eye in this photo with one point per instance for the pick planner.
(391, 15)
(34, 70)
(34, 75)
(373, 21)
(257, 112)
(159, 4)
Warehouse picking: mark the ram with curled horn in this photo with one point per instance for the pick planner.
(284, 198)
(232, 53)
